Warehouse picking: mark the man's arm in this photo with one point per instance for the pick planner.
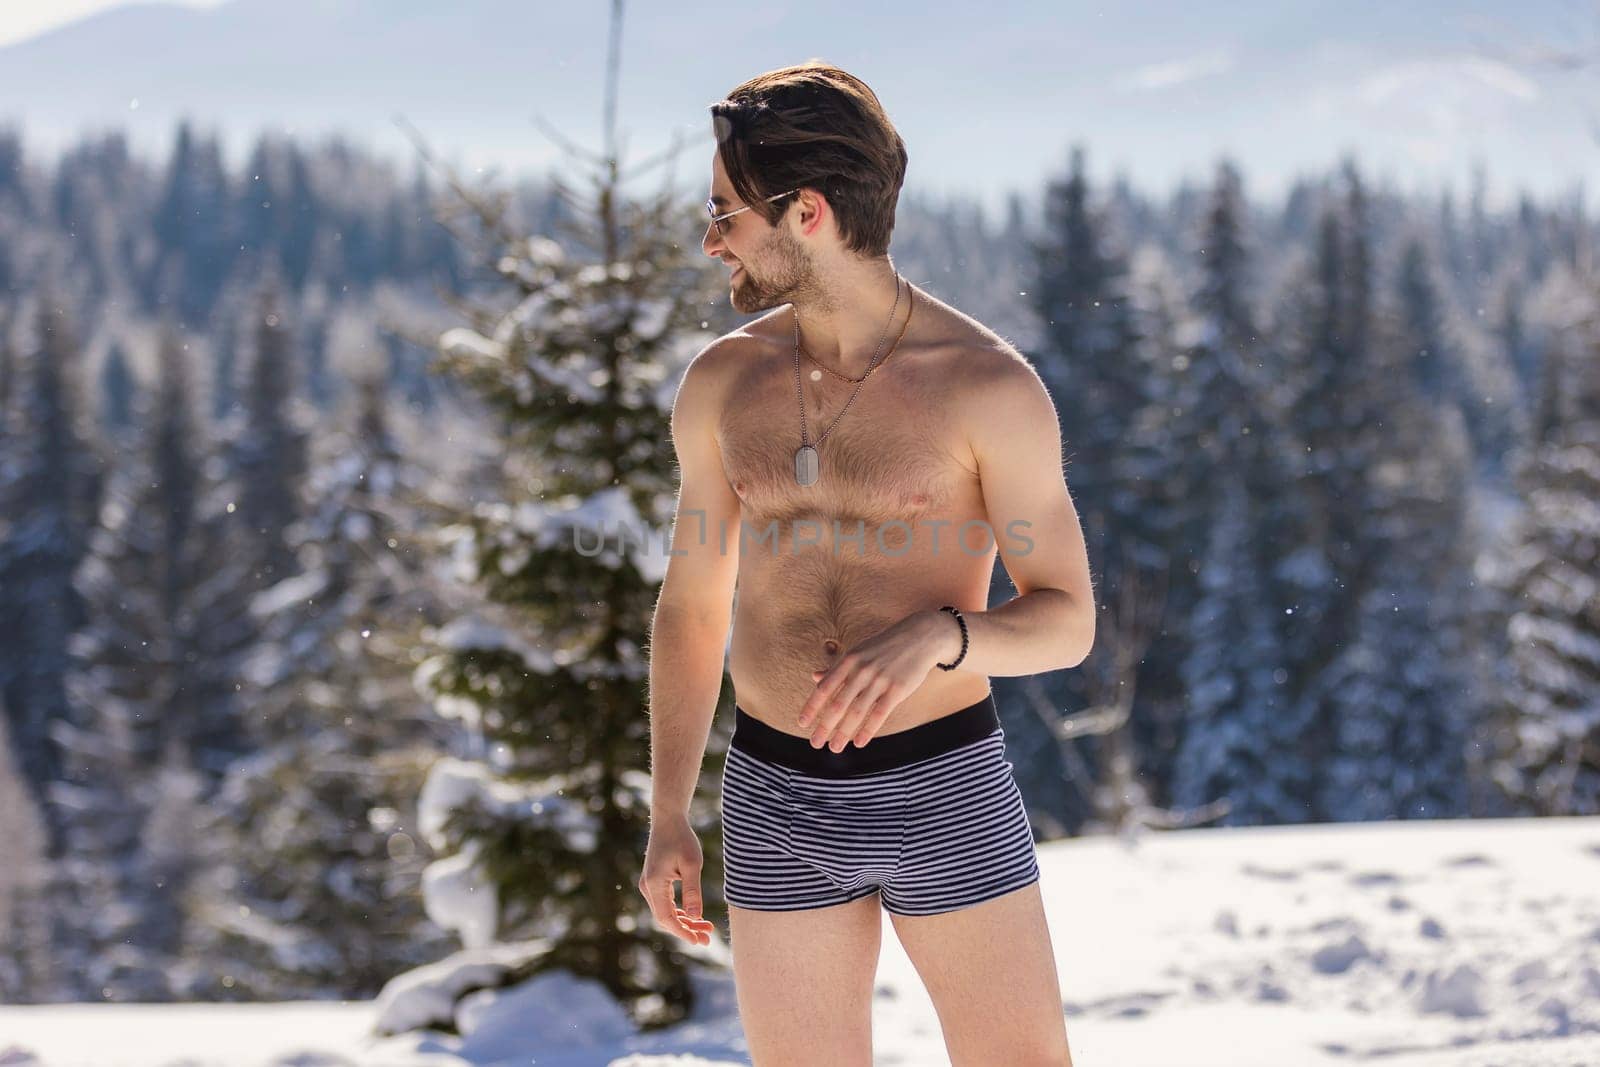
(1016, 439)
(689, 635)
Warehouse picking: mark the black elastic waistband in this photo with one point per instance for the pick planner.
(881, 753)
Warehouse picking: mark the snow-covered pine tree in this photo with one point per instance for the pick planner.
(1335, 388)
(1402, 692)
(1227, 425)
(1546, 740)
(49, 487)
(1237, 747)
(545, 825)
(161, 587)
(315, 860)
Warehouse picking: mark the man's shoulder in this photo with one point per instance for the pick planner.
(986, 380)
(998, 362)
(983, 355)
(998, 387)
(991, 365)
(713, 371)
(741, 342)
(988, 366)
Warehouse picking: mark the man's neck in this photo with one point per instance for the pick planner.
(850, 320)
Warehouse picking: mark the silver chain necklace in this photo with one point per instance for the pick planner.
(807, 461)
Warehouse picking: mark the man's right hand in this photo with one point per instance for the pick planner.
(672, 855)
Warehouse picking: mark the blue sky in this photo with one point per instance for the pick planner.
(1156, 91)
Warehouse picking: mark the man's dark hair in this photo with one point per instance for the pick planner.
(814, 125)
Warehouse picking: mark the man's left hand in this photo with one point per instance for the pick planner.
(856, 694)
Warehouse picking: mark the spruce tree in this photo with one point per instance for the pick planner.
(1402, 692)
(161, 592)
(549, 817)
(1545, 746)
(1232, 496)
(1237, 746)
(1335, 384)
(49, 488)
(313, 853)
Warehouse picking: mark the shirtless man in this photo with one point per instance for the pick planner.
(867, 765)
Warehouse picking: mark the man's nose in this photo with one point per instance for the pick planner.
(708, 241)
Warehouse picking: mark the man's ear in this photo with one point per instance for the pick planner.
(818, 205)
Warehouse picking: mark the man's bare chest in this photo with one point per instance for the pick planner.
(897, 452)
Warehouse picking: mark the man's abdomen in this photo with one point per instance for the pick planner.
(801, 612)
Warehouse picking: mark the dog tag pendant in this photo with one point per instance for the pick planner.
(806, 465)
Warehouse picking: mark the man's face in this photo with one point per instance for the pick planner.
(769, 265)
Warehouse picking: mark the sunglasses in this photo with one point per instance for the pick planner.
(721, 220)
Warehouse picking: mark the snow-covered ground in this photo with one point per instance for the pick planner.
(1412, 944)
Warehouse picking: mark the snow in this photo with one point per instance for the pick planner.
(459, 896)
(549, 1011)
(1451, 943)
(457, 893)
(468, 344)
(450, 784)
(464, 341)
(453, 782)
(468, 632)
(595, 526)
(288, 593)
(428, 996)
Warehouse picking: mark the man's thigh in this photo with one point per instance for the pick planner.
(991, 972)
(804, 981)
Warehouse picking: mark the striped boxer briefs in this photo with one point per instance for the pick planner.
(930, 817)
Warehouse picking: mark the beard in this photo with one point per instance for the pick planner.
(785, 273)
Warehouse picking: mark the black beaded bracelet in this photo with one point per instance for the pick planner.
(952, 666)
